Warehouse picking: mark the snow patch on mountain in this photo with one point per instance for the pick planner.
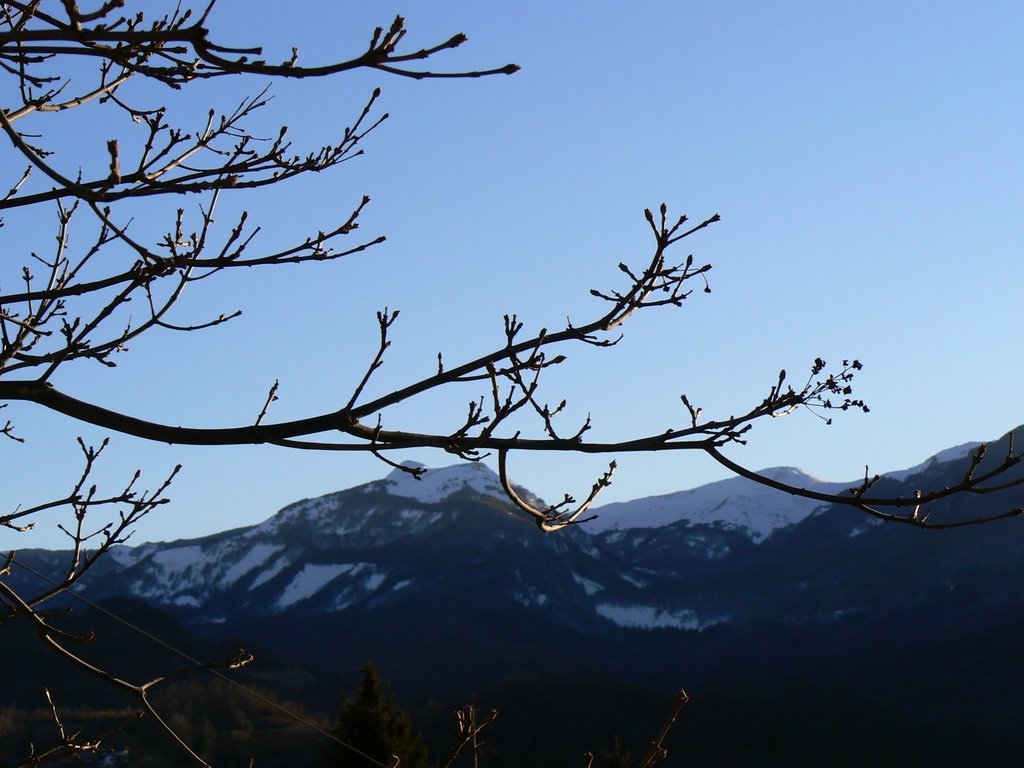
(866, 524)
(352, 590)
(419, 518)
(530, 598)
(612, 538)
(178, 559)
(635, 581)
(275, 568)
(129, 556)
(256, 556)
(736, 502)
(590, 586)
(652, 617)
(170, 573)
(307, 510)
(310, 580)
(710, 548)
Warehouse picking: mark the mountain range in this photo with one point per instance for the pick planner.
(392, 541)
(729, 586)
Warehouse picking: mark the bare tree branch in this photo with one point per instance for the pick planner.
(657, 751)
(83, 300)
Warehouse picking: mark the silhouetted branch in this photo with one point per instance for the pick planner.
(556, 516)
(139, 692)
(469, 730)
(72, 744)
(657, 751)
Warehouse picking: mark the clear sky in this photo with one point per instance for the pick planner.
(865, 159)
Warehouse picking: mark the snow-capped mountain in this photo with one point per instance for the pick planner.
(443, 573)
(735, 503)
(381, 544)
(435, 485)
(742, 505)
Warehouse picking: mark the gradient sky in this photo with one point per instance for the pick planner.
(865, 159)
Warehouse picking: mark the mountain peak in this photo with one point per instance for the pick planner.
(792, 475)
(734, 502)
(435, 485)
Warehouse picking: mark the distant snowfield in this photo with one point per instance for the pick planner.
(255, 557)
(651, 617)
(310, 580)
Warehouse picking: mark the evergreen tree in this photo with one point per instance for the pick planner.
(372, 723)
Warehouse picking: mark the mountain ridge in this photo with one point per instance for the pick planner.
(464, 591)
(366, 545)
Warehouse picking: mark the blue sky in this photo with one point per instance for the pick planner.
(865, 159)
